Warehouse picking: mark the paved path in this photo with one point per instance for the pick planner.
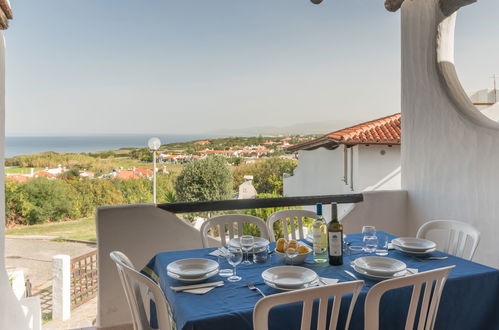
(34, 256)
(81, 317)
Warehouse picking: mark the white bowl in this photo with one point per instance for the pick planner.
(299, 259)
(289, 276)
(192, 268)
(414, 244)
(380, 265)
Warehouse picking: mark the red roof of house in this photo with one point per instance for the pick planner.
(17, 177)
(143, 171)
(203, 142)
(384, 131)
(128, 174)
(45, 174)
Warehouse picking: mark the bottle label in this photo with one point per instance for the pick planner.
(335, 248)
(317, 240)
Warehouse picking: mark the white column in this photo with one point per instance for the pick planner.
(61, 295)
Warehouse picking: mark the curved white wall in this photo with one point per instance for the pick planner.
(450, 151)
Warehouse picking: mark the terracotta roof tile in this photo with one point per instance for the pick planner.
(384, 130)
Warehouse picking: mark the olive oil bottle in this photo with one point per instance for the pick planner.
(335, 238)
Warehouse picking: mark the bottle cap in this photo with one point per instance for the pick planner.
(319, 208)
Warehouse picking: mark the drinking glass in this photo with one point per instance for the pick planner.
(234, 257)
(369, 238)
(382, 247)
(291, 254)
(368, 231)
(247, 242)
(224, 269)
(370, 243)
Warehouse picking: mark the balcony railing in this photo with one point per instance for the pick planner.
(243, 204)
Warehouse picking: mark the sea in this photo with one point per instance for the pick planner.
(25, 145)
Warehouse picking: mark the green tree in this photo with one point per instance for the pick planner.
(142, 154)
(206, 179)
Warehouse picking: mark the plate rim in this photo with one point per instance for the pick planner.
(402, 264)
(289, 267)
(394, 242)
(190, 279)
(420, 253)
(378, 277)
(170, 265)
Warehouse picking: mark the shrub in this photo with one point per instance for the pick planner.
(206, 179)
(47, 200)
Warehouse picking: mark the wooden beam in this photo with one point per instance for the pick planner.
(243, 204)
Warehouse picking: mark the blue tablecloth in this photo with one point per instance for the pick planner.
(470, 299)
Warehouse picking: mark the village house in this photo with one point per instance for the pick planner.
(354, 159)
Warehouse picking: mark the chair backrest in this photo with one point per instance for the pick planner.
(307, 296)
(283, 217)
(131, 280)
(434, 281)
(456, 233)
(234, 222)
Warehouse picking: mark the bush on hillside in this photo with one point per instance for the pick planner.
(206, 179)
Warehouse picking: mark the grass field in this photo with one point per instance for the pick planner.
(83, 229)
(20, 170)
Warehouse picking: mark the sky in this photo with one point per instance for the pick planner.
(197, 66)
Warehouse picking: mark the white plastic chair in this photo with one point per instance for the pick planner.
(231, 220)
(283, 217)
(131, 280)
(307, 296)
(434, 281)
(457, 233)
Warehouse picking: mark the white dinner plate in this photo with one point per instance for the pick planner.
(414, 253)
(382, 266)
(260, 242)
(379, 277)
(192, 268)
(291, 277)
(414, 244)
(199, 279)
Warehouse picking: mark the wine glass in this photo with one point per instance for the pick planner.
(234, 257)
(247, 242)
(291, 254)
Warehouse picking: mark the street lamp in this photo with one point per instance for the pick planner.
(154, 144)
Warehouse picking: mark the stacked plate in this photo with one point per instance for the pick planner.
(414, 246)
(379, 268)
(289, 278)
(192, 270)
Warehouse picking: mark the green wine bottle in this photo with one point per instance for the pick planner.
(335, 238)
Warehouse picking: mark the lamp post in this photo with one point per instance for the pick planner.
(154, 144)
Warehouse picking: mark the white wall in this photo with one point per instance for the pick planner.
(319, 172)
(450, 151)
(379, 167)
(11, 313)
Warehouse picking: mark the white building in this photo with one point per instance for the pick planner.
(355, 159)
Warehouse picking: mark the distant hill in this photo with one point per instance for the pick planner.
(297, 129)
